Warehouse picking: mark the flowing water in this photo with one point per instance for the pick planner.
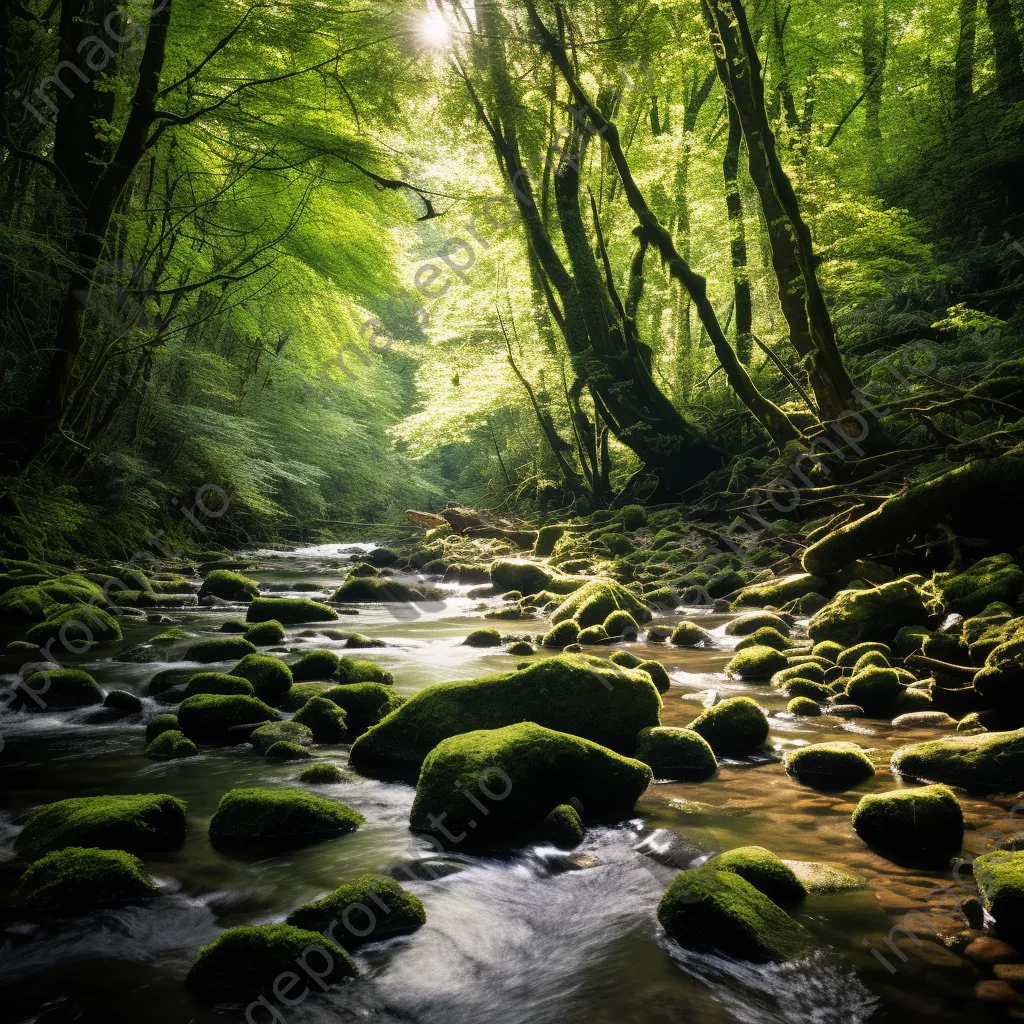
(534, 935)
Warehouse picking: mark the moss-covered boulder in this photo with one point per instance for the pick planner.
(766, 636)
(60, 689)
(1000, 880)
(271, 678)
(756, 662)
(357, 670)
(158, 724)
(562, 635)
(520, 648)
(285, 818)
(79, 624)
(519, 574)
(734, 727)
(593, 635)
(247, 961)
(877, 690)
(547, 538)
(78, 880)
(658, 673)
(369, 909)
(323, 773)
(808, 690)
(301, 693)
(483, 638)
(218, 682)
(804, 707)
(625, 659)
(324, 719)
(989, 761)
(210, 717)
(265, 634)
(827, 649)
(365, 704)
(622, 625)
(927, 820)
(589, 698)
(721, 911)
(595, 601)
(674, 753)
(383, 590)
(519, 772)
(267, 735)
(283, 750)
(689, 634)
(171, 745)
(747, 624)
(289, 610)
(228, 648)
(1001, 680)
(850, 657)
(998, 578)
(779, 591)
(315, 665)
(853, 616)
(767, 873)
(143, 823)
(231, 586)
(563, 826)
(815, 673)
(836, 765)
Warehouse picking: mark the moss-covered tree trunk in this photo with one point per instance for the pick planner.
(963, 72)
(742, 305)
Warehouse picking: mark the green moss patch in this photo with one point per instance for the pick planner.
(734, 727)
(218, 682)
(265, 634)
(289, 610)
(158, 724)
(229, 648)
(271, 678)
(365, 704)
(853, 616)
(876, 690)
(689, 634)
(747, 624)
(209, 717)
(323, 773)
(989, 761)
(61, 689)
(835, 765)
(562, 635)
(231, 586)
(483, 638)
(756, 662)
(1000, 880)
(767, 873)
(519, 574)
(595, 601)
(171, 745)
(79, 880)
(924, 820)
(384, 590)
(674, 753)
(998, 578)
(563, 826)
(324, 719)
(315, 665)
(267, 735)
(779, 591)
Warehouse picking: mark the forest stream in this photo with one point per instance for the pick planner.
(521, 934)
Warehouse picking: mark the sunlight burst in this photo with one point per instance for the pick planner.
(434, 30)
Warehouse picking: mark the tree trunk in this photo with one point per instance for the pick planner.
(873, 47)
(963, 74)
(742, 306)
(1007, 45)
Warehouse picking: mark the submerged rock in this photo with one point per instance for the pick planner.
(734, 727)
(519, 773)
(991, 761)
(674, 753)
(925, 820)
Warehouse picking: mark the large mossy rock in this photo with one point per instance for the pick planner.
(734, 727)
(324, 719)
(720, 911)
(314, 665)
(289, 610)
(518, 574)
(380, 590)
(210, 717)
(875, 613)
(228, 648)
(746, 625)
(250, 960)
(595, 601)
(520, 773)
(1000, 880)
(358, 670)
(60, 689)
(998, 578)
(767, 873)
(279, 818)
(989, 761)
(1001, 680)
(364, 704)
(79, 879)
(877, 690)
(79, 624)
(271, 678)
(757, 662)
(218, 682)
(369, 909)
(142, 823)
(587, 697)
(265, 634)
(835, 765)
(779, 591)
(674, 753)
(926, 820)
(229, 585)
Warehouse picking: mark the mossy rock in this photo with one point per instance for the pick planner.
(548, 768)
(271, 678)
(60, 689)
(593, 635)
(779, 591)
(520, 648)
(914, 699)
(267, 735)
(315, 665)
(849, 657)
(323, 773)
(76, 624)
(877, 690)
(689, 634)
(989, 761)
(171, 745)
(625, 659)
(1001, 680)
(813, 672)
(563, 826)
(998, 578)
(1000, 880)
(250, 960)
(572, 693)
(380, 591)
(143, 823)
(674, 753)
(210, 717)
(282, 750)
(369, 909)
(817, 692)
(228, 648)
(632, 517)
(595, 601)
(357, 670)
(365, 704)
(547, 538)
(971, 724)
(925, 820)
(804, 707)
(657, 672)
(827, 649)
(621, 624)
(720, 911)
(725, 582)
(218, 682)
(836, 765)
(160, 723)
(78, 880)
(756, 662)
(284, 818)
(123, 702)
(873, 659)
(289, 610)
(747, 624)
(37, 602)
(562, 635)
(766, 636)
(734, 727)
(231, 586)
(302, 693)
(325, 720)
(365, 569)
(767, 873)
(483, 638)
(854, 616)
(265, 634)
